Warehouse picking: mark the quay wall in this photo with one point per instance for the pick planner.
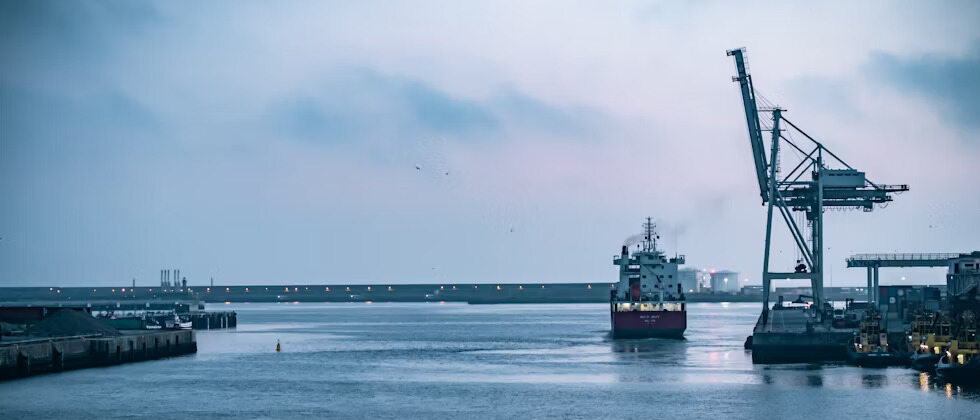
(33, 357)
(802, 347)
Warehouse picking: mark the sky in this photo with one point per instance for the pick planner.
(444, 141)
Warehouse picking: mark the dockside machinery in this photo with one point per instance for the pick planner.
(832, 183)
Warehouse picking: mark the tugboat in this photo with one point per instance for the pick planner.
(960, 363)
(647, 302)
(921, 355)
(870, 347)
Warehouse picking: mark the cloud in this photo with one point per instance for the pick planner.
(952, 81)
(364, 106)
(68, 37)
(277, 143)
(353, 104)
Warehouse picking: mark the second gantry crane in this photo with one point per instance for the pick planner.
(839, 187)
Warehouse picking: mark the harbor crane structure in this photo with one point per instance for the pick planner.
(832, 183)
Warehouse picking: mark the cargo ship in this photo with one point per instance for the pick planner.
(648, 301)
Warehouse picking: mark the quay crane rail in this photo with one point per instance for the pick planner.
(842, 187)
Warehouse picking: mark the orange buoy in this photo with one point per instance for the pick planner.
(278, 347)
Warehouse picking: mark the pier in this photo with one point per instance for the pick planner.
(793, 336)
(21, 358)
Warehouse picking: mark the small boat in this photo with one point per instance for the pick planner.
(876, 358)
(182, 324)
(960, 362)
(923, 361)
(922, 346)
(870, 347)
(950, 370)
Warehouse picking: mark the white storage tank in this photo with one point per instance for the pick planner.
(725, 281)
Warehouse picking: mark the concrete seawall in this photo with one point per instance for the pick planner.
(31, 357)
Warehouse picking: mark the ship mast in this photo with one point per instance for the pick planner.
(650, 236)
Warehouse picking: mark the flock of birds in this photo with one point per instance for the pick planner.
(419, 168)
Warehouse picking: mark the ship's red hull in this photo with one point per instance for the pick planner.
(648, 324)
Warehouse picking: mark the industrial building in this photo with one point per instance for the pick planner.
(693, 280)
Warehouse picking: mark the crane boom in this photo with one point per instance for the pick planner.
(752, 119)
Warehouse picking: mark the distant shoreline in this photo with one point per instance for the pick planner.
(482, 293)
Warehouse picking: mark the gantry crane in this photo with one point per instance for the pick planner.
(827, 187)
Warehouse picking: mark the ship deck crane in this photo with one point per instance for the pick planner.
(843, 187)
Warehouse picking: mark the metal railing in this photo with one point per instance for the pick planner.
(903, 257)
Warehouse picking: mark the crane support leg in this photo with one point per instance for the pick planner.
(876, 294)
(871, 286)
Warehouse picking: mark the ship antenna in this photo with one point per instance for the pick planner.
(651, 235)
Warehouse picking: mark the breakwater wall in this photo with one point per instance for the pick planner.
(44, 355)
(183, 299)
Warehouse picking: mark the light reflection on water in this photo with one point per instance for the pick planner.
(454, 360)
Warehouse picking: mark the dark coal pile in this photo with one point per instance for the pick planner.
(69, 322)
